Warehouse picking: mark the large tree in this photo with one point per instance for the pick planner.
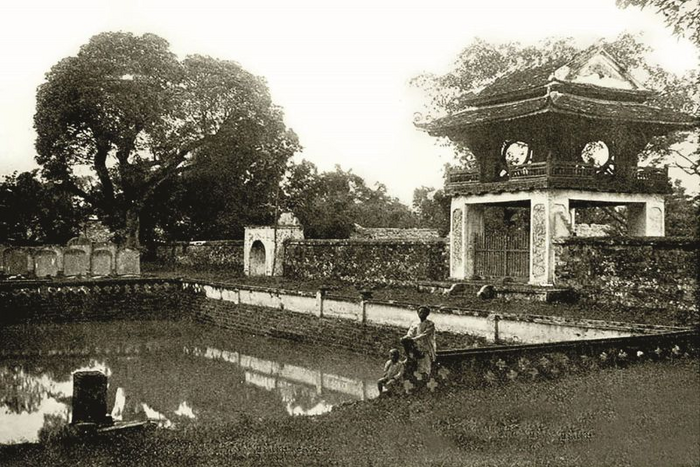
(481, 63)
(124, 118)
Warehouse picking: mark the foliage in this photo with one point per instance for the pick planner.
(234, 182)
(129, 113)
(328, 204)
(432, 208)
(682, 213)
(481, 63)
(36, 212)
(682, 15)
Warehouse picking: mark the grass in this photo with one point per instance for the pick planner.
(643, 415)
(412, 295)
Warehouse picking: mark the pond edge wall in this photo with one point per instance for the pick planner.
(361, 324)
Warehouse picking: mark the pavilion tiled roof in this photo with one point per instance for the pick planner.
(538, 90)
(556, 102)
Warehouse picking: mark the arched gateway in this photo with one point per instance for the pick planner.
(533, 133)
(263, 248)
(257, 259)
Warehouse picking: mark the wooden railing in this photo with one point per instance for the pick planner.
(572, 170)
(650, 177)
(536, 169)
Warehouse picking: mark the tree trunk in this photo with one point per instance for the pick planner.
(133, 226)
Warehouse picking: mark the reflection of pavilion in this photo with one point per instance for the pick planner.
(305, 391)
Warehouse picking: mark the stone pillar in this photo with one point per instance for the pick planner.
(457, 239)
(366, 295)
(320, 296)
(646, 219)
(549, 218)
(89, 397)
(473, 224)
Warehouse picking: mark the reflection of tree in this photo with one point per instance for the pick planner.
(22, 392)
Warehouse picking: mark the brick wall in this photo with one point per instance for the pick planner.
(382, 261)
(639, 273)
(99, 300)
(206, 255)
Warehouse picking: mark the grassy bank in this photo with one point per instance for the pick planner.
(644, 415)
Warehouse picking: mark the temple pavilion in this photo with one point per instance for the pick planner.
(552, 139)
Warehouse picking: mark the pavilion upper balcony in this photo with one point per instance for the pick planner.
(561, 175)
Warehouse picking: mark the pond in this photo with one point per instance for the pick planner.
(174, 373)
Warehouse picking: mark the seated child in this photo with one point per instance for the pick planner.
(393, 371)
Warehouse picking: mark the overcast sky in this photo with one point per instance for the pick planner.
(340, 69)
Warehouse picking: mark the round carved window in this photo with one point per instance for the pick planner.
(596, 153)
(517, 153)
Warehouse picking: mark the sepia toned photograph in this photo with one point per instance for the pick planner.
(308, 233)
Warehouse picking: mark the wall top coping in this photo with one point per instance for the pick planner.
(679, 242)
(201, 243)
(31, 247)
(272, 227)
(68, 282)
(365, 241)
(629, 341)
(94, 245)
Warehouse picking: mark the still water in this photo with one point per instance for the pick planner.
(176, 374)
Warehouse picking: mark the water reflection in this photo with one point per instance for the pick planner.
(169, 373)
(305, 391)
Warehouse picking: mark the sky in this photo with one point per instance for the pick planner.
(340, 69)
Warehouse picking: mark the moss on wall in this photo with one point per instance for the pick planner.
(377, 261)
(639, 273)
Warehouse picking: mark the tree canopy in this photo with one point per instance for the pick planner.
(329, 204)
(34, 212)
(683, 16)
(125, 118)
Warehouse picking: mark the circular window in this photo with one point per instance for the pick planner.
(516, 153)
(596, 153)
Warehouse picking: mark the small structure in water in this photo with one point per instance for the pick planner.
(90, 398)
(90, 405)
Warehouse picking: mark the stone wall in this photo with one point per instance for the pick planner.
(380, 261)
(78, 258)
(639, 273)
(215, 254)
(41, 302)
(392, 233)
